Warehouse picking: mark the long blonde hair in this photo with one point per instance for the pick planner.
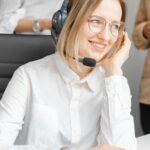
(80, 10)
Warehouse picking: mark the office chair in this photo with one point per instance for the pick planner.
(16, 50)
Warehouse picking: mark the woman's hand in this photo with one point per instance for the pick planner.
(106, 147)
(112, 65)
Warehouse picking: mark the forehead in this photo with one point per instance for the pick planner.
(109, 9)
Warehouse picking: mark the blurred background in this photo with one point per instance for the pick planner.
(134, 66)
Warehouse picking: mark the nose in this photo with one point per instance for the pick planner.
(105, 34)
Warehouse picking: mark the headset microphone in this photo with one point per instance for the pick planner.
(87, 61)
(90, 62)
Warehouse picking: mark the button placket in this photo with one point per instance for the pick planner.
(74, 112)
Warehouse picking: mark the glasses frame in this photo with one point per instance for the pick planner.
(107, 23)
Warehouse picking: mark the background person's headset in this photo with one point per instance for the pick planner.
(58, 20)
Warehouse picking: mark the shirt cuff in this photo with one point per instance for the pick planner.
(118, 92)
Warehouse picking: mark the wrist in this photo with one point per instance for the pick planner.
(45, 24)
(113, 70)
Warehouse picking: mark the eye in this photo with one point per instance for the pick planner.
(115, 26)
(96, 22)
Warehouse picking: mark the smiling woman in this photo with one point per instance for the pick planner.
(58, 102)
(27, 16)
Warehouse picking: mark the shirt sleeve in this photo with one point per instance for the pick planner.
(141, 19)
(116, 125)
(10, 13)
(12, 108)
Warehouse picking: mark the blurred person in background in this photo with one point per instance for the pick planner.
(141, 39)
(27, 16)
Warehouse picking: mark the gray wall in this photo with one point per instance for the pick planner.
(134, 66)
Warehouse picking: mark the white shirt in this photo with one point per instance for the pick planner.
(46, 104)
(11, 11)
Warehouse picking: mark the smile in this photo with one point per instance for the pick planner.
(98, 46)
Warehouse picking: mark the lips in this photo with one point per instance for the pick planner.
(98, 46)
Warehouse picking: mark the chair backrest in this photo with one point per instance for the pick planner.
(16, 50)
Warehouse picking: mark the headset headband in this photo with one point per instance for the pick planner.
(58, 20)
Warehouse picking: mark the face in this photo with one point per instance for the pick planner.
(96, 45)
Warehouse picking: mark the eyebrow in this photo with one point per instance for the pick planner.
(98, 17)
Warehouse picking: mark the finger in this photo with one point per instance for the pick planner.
(126, 44)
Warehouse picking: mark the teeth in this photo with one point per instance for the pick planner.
(99, 45)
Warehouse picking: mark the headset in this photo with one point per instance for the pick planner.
(58, 20)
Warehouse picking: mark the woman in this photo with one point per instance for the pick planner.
(57, 102)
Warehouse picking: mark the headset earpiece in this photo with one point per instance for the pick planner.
(58, 20)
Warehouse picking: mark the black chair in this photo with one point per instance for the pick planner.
(16, 50)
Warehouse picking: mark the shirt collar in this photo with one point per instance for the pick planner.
(65, 71)
(93, 80)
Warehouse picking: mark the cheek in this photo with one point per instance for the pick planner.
(84, 37)
(86, 33)
(113, 42)
(112, 46)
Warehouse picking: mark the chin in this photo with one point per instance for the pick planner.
(96, 56)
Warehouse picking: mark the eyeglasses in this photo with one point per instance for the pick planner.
(98, 24)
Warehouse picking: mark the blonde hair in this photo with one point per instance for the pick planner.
(80, 10)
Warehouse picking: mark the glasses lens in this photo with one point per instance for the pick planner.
(117, 28)
(96, 24)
